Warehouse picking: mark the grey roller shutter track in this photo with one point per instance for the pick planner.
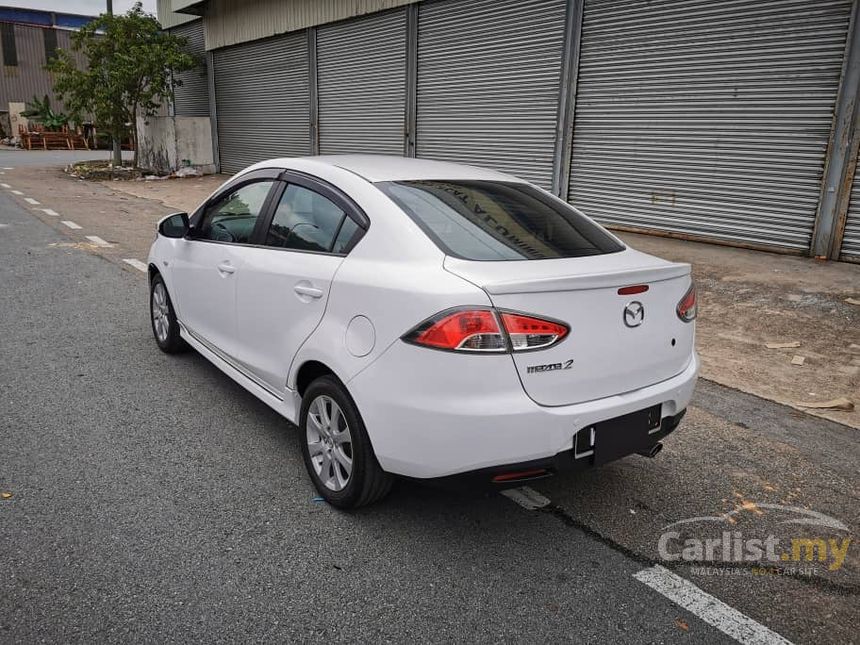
(488, 83)
(192, 96)
(851, 236)
(262, 100)
(361, 84)
(707, 118)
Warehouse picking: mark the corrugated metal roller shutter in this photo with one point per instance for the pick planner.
(262, 100)
(707, 118)
(361, 80)
(488, 83)
(851, 236)
(192, 96)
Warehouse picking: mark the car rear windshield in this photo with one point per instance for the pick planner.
(490, 220)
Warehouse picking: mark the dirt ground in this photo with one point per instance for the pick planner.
(746, 298)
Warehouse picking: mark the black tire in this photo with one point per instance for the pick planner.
(172, 342)
(367, 482)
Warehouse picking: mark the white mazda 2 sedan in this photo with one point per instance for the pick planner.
(428, 320)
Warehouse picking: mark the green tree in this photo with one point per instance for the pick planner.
(130, 68)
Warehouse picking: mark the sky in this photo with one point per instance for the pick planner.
(86, 7)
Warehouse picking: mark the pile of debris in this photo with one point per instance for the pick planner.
(105, 170)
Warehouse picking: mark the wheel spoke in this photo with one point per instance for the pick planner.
(315, 448)
(342, 458)
(340, 479)
(315, 421)
(325, 417)
(341, 436)
(326, 469)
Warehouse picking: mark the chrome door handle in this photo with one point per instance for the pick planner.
(226, 267)
(310, 292)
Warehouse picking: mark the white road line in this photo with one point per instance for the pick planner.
(95, 239)
(5, 185)
(714, 612)
(526, 497)
(137, 264)
(16, 192)
(30, 200)
(7, 168)
(71, 224)
(50, 212)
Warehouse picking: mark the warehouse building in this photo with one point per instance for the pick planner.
(29, 38)
(732, 122)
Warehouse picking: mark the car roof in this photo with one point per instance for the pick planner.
(375, 168)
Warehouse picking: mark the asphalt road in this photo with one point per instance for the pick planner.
(155, 500)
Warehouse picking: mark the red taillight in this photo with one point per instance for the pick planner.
(527, 332)
(467, 330)
(686, 309)
(478, 330)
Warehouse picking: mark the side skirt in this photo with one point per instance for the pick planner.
(286, 407)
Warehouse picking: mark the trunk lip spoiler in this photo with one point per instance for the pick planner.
(582, 282)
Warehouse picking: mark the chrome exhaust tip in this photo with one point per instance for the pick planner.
(653, 451)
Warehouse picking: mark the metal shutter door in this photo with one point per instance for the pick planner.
(851, 236)
(361, 81)
(488, 83)
(192, 97)
(262, 100)
(707, 118)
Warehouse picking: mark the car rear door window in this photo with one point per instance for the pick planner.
(306, 221)
(232, 218)
(491, 220)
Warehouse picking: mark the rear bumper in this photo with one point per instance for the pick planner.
(435, 414)
(511, 475)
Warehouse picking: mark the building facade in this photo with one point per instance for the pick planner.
(732, 122)
(28, 40)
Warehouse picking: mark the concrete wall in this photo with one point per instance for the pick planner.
(167, 143)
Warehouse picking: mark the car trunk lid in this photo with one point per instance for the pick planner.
(618, 342)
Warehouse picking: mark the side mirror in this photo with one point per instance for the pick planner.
(175, 225)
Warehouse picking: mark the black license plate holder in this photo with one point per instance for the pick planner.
(624, 435)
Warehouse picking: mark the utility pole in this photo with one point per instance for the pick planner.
(117, 148)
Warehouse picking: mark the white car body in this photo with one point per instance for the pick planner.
(263, 315)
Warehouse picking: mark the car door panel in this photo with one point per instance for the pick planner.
(281, 298)
(207, 263)
(204, 277)
(284, 286)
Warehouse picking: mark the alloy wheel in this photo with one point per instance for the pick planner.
(329, 442)
(160, 312)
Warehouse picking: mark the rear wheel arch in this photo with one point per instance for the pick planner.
(310, 371)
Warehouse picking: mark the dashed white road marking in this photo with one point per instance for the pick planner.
(30, 200)
(713, 611)
(71, 224)
(137, 264)
(527, 497)
(7, 168)
(16, 192)
(95, 239)
(5, 185)
(50, 212)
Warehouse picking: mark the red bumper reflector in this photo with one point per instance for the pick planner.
(522, 474)
(633, 290)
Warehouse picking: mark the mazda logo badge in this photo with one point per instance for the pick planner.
(634, 314)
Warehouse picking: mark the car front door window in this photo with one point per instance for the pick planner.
(232, 218)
